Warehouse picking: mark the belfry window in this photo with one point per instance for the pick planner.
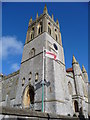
(39, 28)
(32, 36)
(32, 33)
(49, 30)
(33, 28)
(39, 31)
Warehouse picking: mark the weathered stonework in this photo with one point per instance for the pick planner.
(65, 91)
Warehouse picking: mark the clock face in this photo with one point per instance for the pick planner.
(55, 46)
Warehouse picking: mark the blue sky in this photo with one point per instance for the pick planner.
(73, 20)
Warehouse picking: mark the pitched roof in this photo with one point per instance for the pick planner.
(69, 70)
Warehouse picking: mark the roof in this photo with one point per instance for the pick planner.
(69, 70)
(11, 75)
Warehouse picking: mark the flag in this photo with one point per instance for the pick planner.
(50, 54)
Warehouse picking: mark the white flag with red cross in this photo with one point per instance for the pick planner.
(50, 55)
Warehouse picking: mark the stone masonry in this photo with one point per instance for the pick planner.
(65, 91)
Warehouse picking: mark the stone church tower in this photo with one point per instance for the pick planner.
(65, 91)
(43, 32)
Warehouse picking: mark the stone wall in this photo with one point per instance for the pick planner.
(23, 114)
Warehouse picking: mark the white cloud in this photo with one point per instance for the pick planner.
(10, 46)
(15, 67)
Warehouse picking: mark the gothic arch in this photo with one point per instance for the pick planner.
(49, 28)
(28, 96)
(40, 27)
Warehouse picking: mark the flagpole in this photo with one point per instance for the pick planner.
(43, 84)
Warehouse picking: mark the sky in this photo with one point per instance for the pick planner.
(73, 20)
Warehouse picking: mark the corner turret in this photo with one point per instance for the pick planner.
(37, 16)
(84, 73)
(52, 17)
(74, 60)
(45, 9)
(76, 67)
(30, 21)
(57, 23)
(77, 76)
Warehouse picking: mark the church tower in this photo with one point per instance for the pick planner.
(43, 32)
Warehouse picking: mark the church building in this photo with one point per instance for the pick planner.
(65, 91)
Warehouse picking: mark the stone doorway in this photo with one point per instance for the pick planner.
(28, 96)
(76, 106)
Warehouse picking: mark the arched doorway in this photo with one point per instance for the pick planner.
(28, 96)
(76, 106)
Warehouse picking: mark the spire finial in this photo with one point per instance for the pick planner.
(57, 22)
(45, 9)
(30, 20)
(52, 17)
(83, 69)
(74, 60)
(37, 16)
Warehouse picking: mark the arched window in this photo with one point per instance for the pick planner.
(23, 81)
(39, 30)
(32, 52)
(30, 76)
(70, 88)
(76, 106)
(32, 33)
(49, 30)
(32, 36)
(40, 27)
(36, 77)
